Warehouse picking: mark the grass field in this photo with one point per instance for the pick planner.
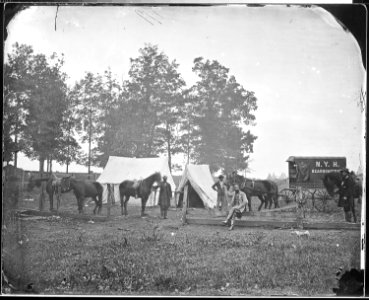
(150, 256)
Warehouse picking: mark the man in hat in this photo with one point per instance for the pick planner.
(165, 195)
(239, 203)
(221, 189)
(347, 193)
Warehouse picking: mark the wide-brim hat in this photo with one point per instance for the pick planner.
(345, 170)
(221, 176)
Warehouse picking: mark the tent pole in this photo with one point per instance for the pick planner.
(185, 205)
(109, 200)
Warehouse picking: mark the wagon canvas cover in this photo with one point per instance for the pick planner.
(201, 180)
(120, 168)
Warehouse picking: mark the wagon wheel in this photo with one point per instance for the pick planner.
(320, 200)
(288, 195)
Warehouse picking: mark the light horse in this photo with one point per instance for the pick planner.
(140, 189)
(83, 189)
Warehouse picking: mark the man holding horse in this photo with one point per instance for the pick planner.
(165, 195)
(347, 194)
(239, 203)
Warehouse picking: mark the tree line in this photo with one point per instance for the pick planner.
(151, 113)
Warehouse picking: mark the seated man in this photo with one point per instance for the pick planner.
(239, 203)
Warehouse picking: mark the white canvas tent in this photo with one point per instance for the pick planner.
(119, 169)
(201, 180)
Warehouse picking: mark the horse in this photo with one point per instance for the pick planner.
(265, 190)
(53, 187)
(332, 183)
(84, 189)
(140, 189)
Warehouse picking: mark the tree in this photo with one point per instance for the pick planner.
(86, 95)
(45, 112)
(68, 149)
(189, 134)
(17, 84)
(149, 106)
(108, 103)
(224, 109)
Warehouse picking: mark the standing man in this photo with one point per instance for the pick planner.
(239, 203)
(221, 189)
(347, 194)
(165, 195)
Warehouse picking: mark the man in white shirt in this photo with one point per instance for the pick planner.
(239, 203)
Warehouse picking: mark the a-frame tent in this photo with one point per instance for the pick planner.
(199, 180)
(120, 168)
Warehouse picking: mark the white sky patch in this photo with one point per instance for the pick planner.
(299, 113)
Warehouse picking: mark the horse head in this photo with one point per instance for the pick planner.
(66, 183)
(330, 183)
(157, 177)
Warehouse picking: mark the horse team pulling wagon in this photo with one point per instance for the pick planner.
(306, 174)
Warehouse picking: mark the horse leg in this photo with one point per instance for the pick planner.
(125, 205)
(249, 201)
(80, 204)
(267, 201)
(121, 204)
(51, 195)
(353, 209)
(96, 204)
(143, 205)
(262, 202)
(270, 201)
(58, 199)
(99, 197)
(276, 203)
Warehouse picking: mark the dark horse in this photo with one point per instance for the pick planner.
(332, 183)
(141, 189)
(53, 187)
(265, 190)
(83, 189)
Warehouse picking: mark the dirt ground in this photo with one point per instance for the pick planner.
(38, 231)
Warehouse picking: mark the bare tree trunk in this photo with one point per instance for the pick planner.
(42, 163)
(169, 155)
(169, 149)
(16, 152)
(188, 149)
(188, 141)
(89, 146)
(47, 164)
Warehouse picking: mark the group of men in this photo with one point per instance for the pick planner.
(239, 199)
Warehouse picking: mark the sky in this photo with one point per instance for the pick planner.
(304, 69)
